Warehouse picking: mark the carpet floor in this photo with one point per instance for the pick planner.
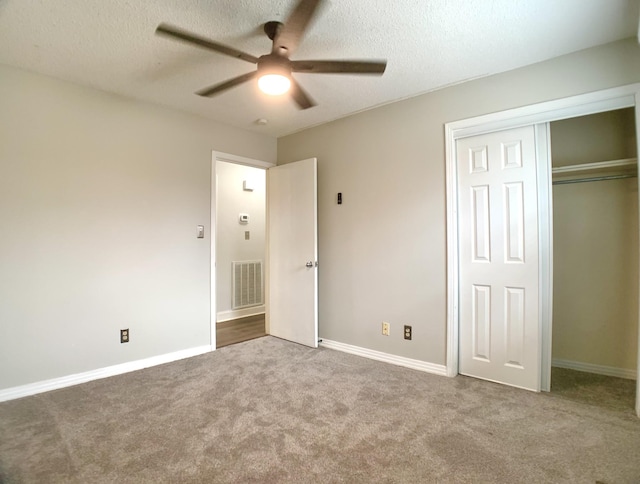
(269, 411)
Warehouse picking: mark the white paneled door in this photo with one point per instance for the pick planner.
(293, 252)
(498, 254)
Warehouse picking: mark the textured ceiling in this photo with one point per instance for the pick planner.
(110, 45)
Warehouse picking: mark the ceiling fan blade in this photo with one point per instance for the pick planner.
(184, 36)
(223, 86)
(339, 67)
(288, 37)
(301, 98)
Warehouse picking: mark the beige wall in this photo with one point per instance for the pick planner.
(100, 196)
(589, 139)
(383, 252)
(99, 201)
(595, 298)
(231, 245)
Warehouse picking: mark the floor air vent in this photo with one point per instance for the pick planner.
(247, 284)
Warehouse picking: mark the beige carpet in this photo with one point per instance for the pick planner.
(269, 411)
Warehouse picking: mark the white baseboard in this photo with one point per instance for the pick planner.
(223, 316)
(70, 380)
(597, 369)
(386, 357)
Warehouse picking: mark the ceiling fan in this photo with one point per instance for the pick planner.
(274, 69)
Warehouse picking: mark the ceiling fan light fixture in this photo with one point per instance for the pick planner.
(274, 74)
(274, 84)
(274, 70)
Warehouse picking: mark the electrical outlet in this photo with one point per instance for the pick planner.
(385, 328)
(407, 332)
(124, 335)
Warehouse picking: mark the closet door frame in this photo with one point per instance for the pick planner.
(539, 115)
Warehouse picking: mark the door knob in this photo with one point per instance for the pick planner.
(309, 264)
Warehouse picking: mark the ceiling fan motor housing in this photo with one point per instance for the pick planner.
(274, 64)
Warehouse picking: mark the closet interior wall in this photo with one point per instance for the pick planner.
(595, 243)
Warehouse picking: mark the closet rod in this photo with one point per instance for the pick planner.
(592, 179)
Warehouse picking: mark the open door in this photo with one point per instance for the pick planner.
(292, 239)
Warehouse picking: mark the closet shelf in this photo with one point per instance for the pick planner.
(601, 165)
(599, 171)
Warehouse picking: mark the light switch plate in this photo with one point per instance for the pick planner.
(201, 231)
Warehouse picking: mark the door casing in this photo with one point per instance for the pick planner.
(540, 115)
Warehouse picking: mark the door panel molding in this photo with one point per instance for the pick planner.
(499, 330)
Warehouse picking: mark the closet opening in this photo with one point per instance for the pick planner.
(595, 257)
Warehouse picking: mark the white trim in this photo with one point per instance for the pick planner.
(545, 259)
(571, 107)
(213, 311)
(385, 357)
(597, 369)
(451, 179)
(70, 380)
(239, 313)
(239, 160)
(580, 105)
